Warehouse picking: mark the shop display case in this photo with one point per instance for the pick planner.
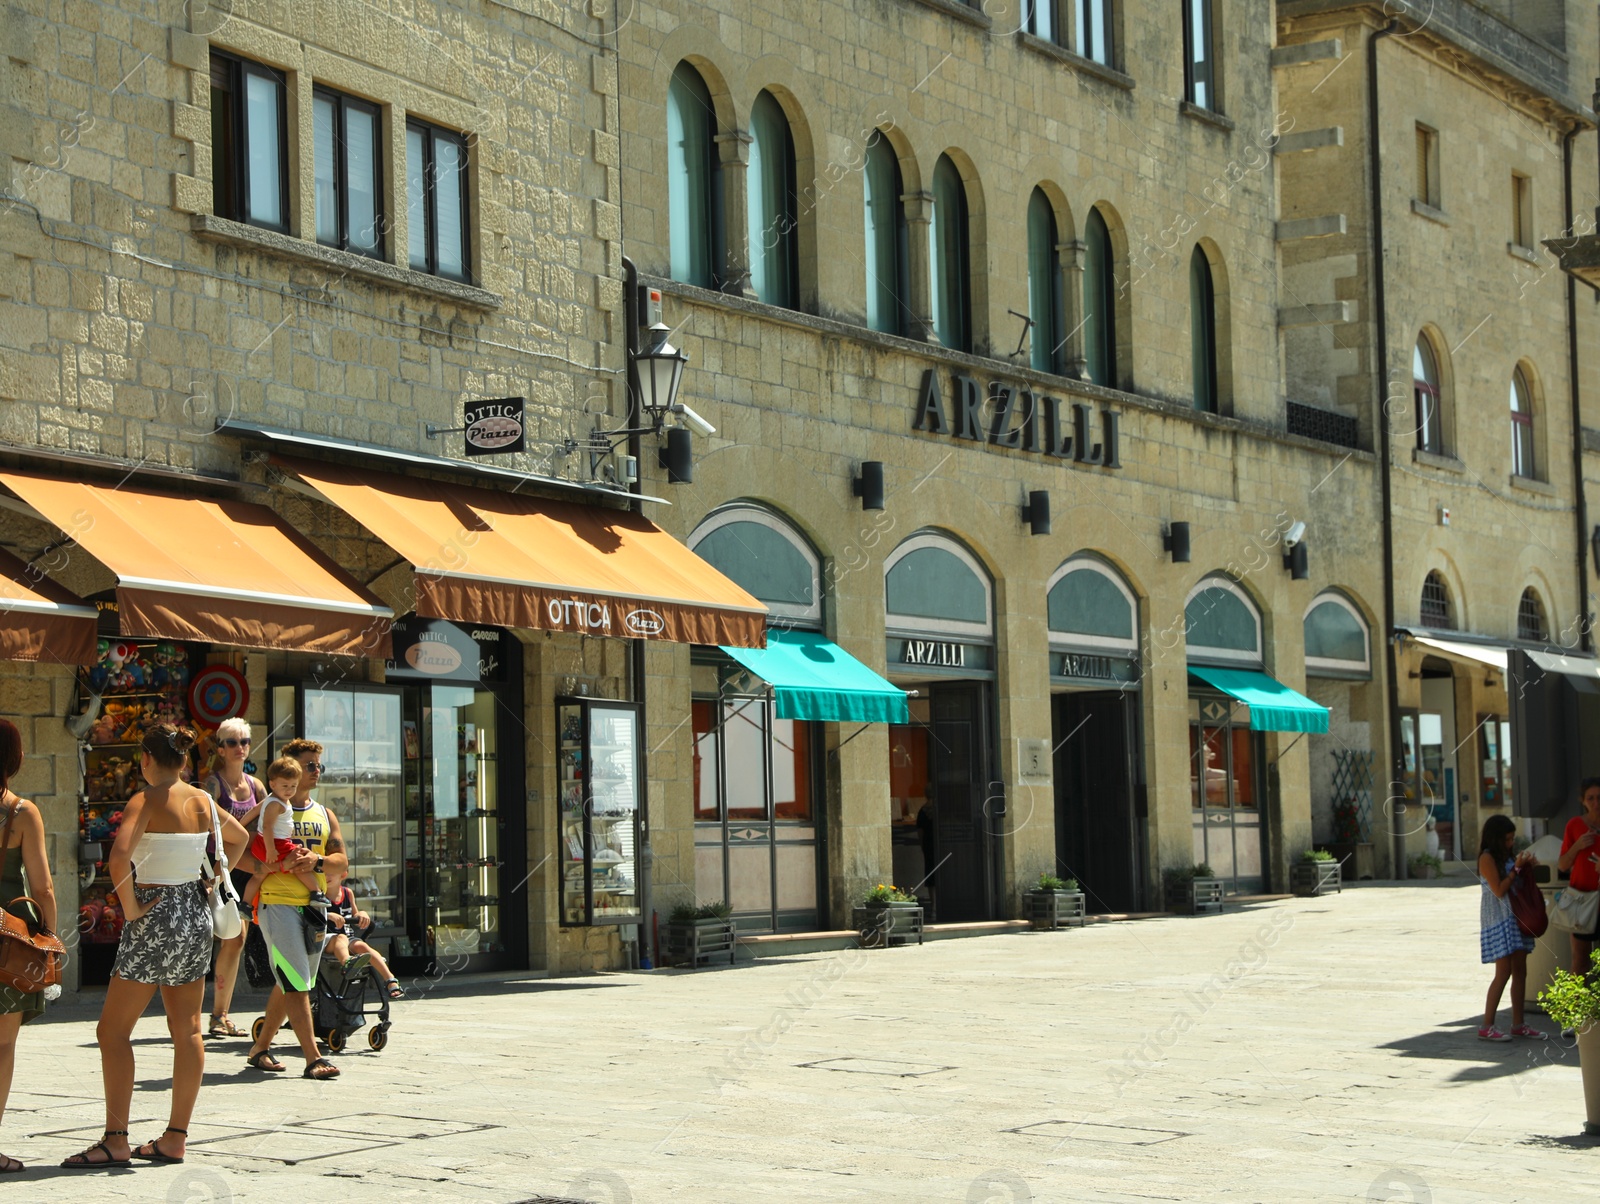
(598, 749)
(360, 732)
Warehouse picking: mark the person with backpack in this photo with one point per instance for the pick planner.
(1501, 938)
(238, 794)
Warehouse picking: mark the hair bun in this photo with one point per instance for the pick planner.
(182, 739)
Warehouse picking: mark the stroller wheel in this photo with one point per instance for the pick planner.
(255, 1029)
(336, 1039)
(378, 1037)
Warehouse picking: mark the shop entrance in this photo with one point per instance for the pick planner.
(1225, 791)
(1436, 756)
(1096, 825)
(939, 775)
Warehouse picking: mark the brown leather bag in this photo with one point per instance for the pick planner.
(31, 958)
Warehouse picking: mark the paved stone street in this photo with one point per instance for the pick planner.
(1315, 1049)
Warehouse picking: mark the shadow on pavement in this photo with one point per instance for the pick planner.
(1458, 1042)
(1575, 1141)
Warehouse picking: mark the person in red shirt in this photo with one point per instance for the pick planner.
(1580, 858)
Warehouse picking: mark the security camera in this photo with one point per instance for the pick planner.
(1294, 535)
(695, 423)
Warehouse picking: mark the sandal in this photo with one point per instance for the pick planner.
(322, 1070)
(222, 1026)
(155, 1154)
(396, 991)
(265, 1061)
(10, 1166)
(82, 1162)
(1528, 1031)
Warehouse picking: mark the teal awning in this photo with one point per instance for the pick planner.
(814, 678)
(1274, 707)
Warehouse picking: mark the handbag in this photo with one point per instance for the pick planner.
(1575, 910)
(1527, 903)
(31, 957)
(223, 899)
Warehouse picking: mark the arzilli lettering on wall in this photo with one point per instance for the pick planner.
(1019, 418)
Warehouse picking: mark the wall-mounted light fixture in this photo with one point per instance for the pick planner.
(1036, 512)
(1175, 539)
(869, 485)
(677, 456)
(1295, 558)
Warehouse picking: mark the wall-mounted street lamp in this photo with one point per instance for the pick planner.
(869, 485)
(1036, 512)
(1295, 558)
(1175, 540)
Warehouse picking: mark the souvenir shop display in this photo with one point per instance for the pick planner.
(599, 799)
(138, 683)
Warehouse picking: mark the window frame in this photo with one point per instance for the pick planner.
(343, 102)
(1098, 643)
(1046, 295)
(432, 134)
(709, 176)
(1524, 444)
(1325, 666)
(1543, 634)
(794, 614)
(1436, 579)
(1522, 210)
(1200, 56)
(1052, 8)
(1100, 278)
(1203, 332)
(784, 209)
(1428, 190)
(1208, 654)
(235, 70)
(898, 623)
(950, 257)
(1100, 25)
(894, 243)
(1429, 414)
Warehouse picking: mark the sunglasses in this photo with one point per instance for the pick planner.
(313, 766)
(232, 742)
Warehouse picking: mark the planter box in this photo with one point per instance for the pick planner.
(1422, 872)
(1054, 908)
(1357, 862)
(880, 926)
(1195, 897)
(1311, 878)
(690, 944)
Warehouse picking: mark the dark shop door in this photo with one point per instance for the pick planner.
(958, 771)
(1096, 831)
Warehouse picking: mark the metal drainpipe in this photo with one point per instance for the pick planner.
(1579, 504)
(1381, 317)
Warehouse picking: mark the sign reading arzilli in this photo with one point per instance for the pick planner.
(1016, 417)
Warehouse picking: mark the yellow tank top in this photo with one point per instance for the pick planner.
(310, 828)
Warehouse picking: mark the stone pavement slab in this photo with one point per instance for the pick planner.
(1301, 1050)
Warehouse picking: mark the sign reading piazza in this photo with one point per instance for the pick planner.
(1016, 417)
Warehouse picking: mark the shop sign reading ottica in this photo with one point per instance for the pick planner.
(1017, 417)
(437, 650)
(495, 425)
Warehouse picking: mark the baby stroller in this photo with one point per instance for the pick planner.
(339, 1005)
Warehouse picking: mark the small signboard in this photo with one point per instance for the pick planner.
(495, 425)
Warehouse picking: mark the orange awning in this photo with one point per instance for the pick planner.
(483, 556)
(40, 621)
(200, 569)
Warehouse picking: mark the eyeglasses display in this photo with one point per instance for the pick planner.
(598, 746)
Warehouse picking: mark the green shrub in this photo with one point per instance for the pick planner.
(1316, 855)
(1573, 1000)
(688, 913)
(1051, 882)
(888, 894)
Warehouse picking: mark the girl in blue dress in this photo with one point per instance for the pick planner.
(1502, 939)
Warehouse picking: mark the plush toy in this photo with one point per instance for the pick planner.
(89, 917)
(103, 730)
(96, 825)
(115, 820)
(109, 929)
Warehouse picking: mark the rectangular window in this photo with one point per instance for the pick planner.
(1522, 210)
(1094, 30)
(1200, 77)
(347, 174)
(1041, 18)
(1428, 166)
(250, 146)
(436, 200)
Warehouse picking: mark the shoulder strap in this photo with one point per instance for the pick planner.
(257, 790)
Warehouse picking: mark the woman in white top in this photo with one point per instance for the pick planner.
(166, 941)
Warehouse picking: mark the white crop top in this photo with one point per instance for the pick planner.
(169, 858)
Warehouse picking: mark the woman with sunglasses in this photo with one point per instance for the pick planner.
(237, 794)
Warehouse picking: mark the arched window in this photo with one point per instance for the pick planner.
(1090, 606)
(1523, 461)
(1337, 641)
(1099, 301)
(1531, 623)
(1429, 400)
(765, 556)
(948, 258)
(888, 278)
(932, 583)
(1044, 284)
(1222, 624)
(1202, 332)
(774, 220)
(692, 178)
(1435, 610)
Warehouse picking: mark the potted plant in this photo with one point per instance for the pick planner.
(1573, 1001)
(1054, 902)
(1193, 890)
(887, 916)
(1316, 873)
(696, 933)
(1425, 865)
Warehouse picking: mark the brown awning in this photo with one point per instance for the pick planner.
(201, 569)
(40, 621)
(483, 556)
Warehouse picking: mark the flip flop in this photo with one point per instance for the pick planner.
(321, 1064)
(84, 1163)
(265, 1061)
(155, 1154)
